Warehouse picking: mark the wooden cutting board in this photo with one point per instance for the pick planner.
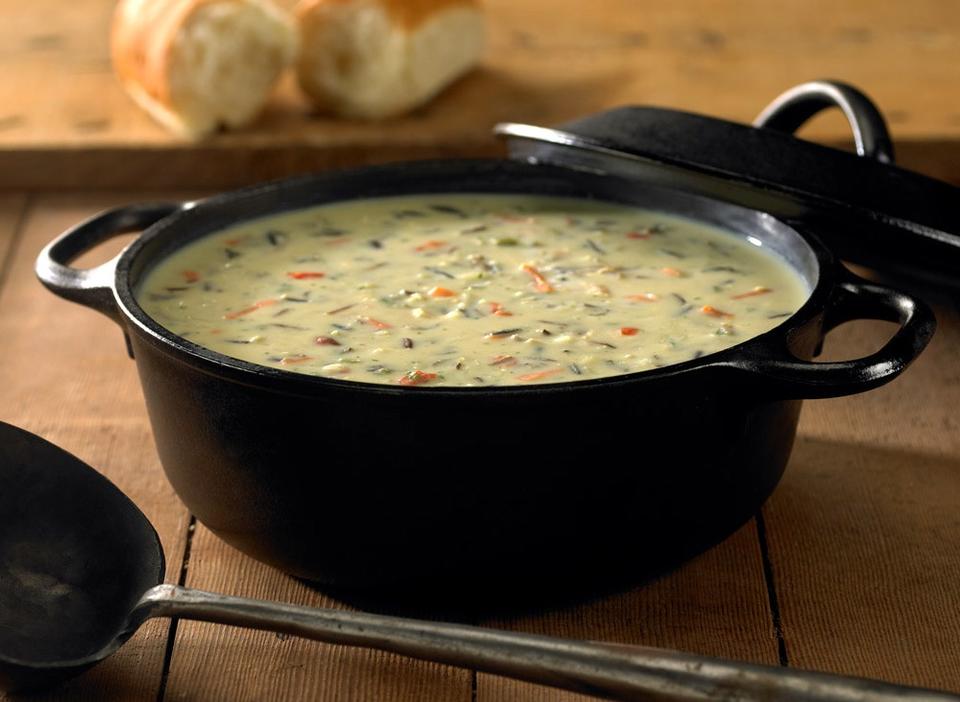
(64, 121)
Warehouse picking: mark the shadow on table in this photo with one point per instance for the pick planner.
(835, 498)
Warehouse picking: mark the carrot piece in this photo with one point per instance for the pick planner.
(628, 331)
(759, 290)
(539, 375)
(430, 245)
(671, 272)
(252, 308)
(304, 275)
(503, 361)
(645, 234)
(438, 291)
(416, 377)
(541, 283)
(191, 276)
(714, 312)
(326, 341)
(290, 360)
(497, 310)
(376, 323)
(643, 297)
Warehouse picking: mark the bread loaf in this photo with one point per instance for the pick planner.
(195, 65)
(379, 58)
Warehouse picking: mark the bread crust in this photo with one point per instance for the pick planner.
(142, 41)
(375, 59)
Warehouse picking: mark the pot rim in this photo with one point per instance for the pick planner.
(823, 278)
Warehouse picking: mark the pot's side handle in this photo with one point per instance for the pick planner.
(785, 376)
(791, 109)
(93, 287)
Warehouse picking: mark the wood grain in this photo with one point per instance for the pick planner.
(13, 207)
(66, 376)
(715, 605)
(864, 534)
(218, 663)
(65, 121)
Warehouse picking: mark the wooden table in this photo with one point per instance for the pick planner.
(850, 567)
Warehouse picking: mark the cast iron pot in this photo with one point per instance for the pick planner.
(371, 486)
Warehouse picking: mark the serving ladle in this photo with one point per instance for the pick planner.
(81, 569)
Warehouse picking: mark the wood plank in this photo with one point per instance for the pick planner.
(863, 529)
(66, 376)
(716, 605)
(547, 61)
(213, 662)
(12, 209)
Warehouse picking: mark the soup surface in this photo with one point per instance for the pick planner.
(470, 290)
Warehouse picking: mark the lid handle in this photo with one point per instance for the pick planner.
(791, 109)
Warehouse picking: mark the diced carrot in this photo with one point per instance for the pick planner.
(431, 245)
(671, 272)
(538, 375)
(305, 275)
(497, 310)
(628, 331)
(376, 323)
(714, 312)
(759, 290)
(438, 291)
(191, 276)
(541, 283)
(291, 360)
(503, 361)
(416, 377)
(326, 341)
(643, 297)
(252, 308)
(645, 234)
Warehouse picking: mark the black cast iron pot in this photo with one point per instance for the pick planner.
(372, 486)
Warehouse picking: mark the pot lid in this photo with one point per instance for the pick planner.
(864, 207)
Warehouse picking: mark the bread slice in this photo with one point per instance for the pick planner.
(379, 58)
(196, 65)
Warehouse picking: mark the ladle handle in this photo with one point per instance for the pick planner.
(602, 670)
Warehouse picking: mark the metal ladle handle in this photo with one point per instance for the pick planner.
(790, 110)
(603, 670)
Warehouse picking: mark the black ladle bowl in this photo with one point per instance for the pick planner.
(81, 569)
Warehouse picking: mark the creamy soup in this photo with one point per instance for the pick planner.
(470, 290)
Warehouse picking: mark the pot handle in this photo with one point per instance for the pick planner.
(93, 287)
(785, 376)
(791, 109)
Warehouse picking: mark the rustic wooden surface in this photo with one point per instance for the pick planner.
(861, 539)
(850, 567)
(65, 122)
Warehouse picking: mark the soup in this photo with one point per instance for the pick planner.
(470, 290)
